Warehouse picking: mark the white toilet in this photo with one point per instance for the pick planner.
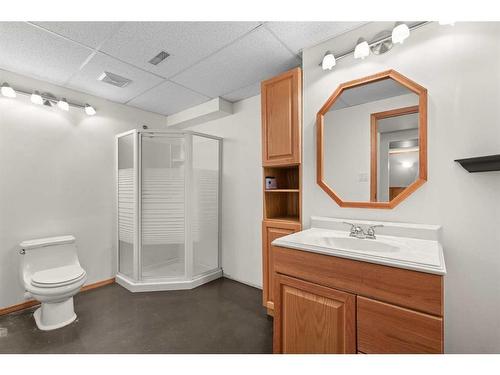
(51, 273)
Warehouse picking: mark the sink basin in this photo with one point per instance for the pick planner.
(355, 244)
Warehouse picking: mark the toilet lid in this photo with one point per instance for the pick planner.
(57, 276)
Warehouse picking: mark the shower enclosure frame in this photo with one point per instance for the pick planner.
(189, 281)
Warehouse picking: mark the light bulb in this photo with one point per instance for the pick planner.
(8, 91)
(328, 61)
(63, 104)
(400, 33)
(362, 49)
(89, 110)
(407, 164)
(36, 98)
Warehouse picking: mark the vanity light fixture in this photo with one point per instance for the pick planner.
(63, 104)
(328, 61)
(400, 32)
(46, 99)
(381, 43)
(36, 98)
(8, 91)
(362, 49)
(89, 110)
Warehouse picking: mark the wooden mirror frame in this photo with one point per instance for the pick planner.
(422, 133)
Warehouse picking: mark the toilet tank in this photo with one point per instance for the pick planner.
(44, 253)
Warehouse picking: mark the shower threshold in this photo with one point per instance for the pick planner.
(166, 284)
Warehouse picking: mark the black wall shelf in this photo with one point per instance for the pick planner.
(488, 163)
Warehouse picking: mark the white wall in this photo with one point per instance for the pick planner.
(57, 177)
(241, 190)
(460, 68)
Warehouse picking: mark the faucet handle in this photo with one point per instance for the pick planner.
(355, 229)
(370, 232)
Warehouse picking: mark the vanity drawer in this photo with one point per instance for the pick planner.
(385, 328)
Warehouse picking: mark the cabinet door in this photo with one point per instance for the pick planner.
(272, 230)
(309, 318)
(281, 118)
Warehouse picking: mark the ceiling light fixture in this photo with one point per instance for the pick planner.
(400, 32)
(8, 91)
(362, 49)
(89, 110)
(36, 98)
(328, 61)
(63, 104)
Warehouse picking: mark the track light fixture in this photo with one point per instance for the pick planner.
(8, 91)
(381, 43)
(362, 49)
(45, 99)
(400, 33)
(328, 61)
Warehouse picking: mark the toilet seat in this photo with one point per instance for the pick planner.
(57, 277)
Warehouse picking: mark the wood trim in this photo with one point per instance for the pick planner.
(411, 289)
(32, 302)
(374, 119)
(98, 284)
(422, 109)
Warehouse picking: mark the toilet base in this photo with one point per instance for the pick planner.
(55, 315)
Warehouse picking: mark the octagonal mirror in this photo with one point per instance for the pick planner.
(372, 141)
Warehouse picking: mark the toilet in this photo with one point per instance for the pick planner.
(51, 273)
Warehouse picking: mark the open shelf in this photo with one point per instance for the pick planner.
(287, 178)
(488, 163)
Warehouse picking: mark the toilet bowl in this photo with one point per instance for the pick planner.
(51, 273)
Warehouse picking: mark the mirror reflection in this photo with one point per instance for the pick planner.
(371, 141)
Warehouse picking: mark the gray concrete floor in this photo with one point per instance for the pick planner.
(222, 316)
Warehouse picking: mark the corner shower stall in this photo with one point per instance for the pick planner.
(168, 202)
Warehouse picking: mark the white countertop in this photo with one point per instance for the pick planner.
(423, 255)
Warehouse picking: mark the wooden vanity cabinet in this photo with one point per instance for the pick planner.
(281, 101)
(328, 304)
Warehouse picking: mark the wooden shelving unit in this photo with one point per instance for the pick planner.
(281, 159)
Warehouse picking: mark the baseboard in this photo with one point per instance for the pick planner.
(241, 281)
(32, 302)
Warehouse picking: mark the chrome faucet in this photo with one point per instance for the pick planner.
(358, 232)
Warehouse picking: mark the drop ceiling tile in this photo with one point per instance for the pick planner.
(168, 98)
(87, 79)
(257, 56)
(89, 33)
(186, 42)
(243, 93)
(301, 35)
(27, 50)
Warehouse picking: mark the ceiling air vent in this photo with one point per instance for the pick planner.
(114, 79)
(159, 58)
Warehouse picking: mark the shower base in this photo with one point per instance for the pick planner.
(166, 284)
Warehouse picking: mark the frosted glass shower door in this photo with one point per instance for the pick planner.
(205, 204)
(162, 206)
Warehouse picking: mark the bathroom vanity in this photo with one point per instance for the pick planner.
(337, 294)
